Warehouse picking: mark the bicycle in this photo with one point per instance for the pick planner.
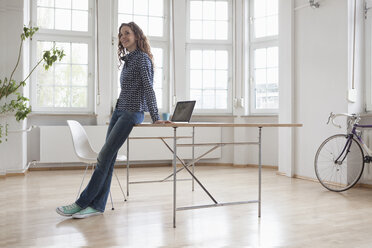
(339, 160)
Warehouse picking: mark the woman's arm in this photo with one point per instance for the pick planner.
(146, 73)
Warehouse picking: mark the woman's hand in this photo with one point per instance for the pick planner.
(162, 122)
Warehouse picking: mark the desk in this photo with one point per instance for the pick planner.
(215, 146)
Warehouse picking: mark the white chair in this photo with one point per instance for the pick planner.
(85, 152)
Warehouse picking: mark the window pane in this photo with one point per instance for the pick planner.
(208, 99)
(196, 29)
(272, 7)
(79, 53)
(79, 97)
(158, 78)
(66, 4)
(124, 19)
(209, 30)
(63, 19)
(125, 6)
(221, 99)
(272, 75)
(260, 58)
(260, 76)
(221, 11)
(66, 47)
(196, 79)
(45, 18)
(62, 74)
(44, 77)
(196, 59)
(222, 60)
(259, 8)
(209, 10)
(45, 96)
(272, 25)
(43, 46)
(221, 30)
(196, 10)
(140, 7)
(155, 26)
(209, 59)
(272, 57)
(62, 97)
(142, 21)
(158, 56)
(197, 96)
(79, 75)
(79, 20)
(260, 27)
(80, 4)
(209, 79)
(45, 3)
(221, 79)
(159, 97)
(266, 78)
(156, 8)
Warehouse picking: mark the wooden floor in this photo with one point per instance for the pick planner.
(295, 212)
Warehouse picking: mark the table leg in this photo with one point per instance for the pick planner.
(259, 171)
(174, 174)
(128, 166)
(193, 155)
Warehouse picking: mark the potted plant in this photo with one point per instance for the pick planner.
(12, 102)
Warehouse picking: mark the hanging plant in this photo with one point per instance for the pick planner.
(12, 102)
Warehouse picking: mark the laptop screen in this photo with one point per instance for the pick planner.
(183, 111)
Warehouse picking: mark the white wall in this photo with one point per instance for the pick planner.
(321, 76)
(13, 153)
(322, 73)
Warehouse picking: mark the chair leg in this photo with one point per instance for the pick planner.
(82, 181)
(121, 188)
(112, 203)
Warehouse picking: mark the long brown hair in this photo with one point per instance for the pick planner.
(142, 42)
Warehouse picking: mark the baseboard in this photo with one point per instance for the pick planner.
(272, 167)
(315, 180)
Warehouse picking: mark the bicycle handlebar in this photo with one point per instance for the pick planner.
(333, 116)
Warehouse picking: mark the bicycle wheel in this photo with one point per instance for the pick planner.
(344, 173)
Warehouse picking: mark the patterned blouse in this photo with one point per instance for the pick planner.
(136, 81)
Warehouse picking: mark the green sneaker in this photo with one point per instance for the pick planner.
(68, 210)
(86, 212)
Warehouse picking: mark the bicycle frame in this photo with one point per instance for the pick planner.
(364, 146)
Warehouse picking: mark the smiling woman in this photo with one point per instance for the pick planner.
(136, 97)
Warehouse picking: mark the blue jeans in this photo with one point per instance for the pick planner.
(96, 193)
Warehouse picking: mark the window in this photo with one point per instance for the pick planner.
(264, 56)
(150, 15)
(209, 52)
(68, 85)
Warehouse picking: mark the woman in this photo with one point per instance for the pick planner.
(137, 96)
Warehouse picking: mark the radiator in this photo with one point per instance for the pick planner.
(56, 143)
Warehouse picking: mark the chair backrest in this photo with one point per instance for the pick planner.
(82, 147)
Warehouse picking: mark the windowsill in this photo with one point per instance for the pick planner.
(61, 114)
(260, 115)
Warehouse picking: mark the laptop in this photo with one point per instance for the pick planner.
(183, 111)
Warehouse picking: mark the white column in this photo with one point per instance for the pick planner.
(286, 87)
(106, 65)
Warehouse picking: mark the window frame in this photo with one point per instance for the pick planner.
(255, 43)
(53, 35)
(158, 42)
(230, 76)
(192, 44)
